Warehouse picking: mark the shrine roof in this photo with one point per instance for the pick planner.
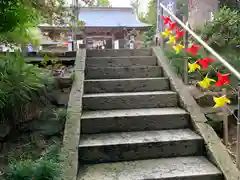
(110, 17)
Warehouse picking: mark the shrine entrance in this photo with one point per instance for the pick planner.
(99, 42)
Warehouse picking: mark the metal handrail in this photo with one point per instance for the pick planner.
(223, 61)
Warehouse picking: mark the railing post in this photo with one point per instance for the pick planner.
(161, 39)
(225, 121)
(185, 43)
(238, 129)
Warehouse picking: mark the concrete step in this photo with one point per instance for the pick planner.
(130, 100)
(126, 85)
(133, 120)
(119, 52)
(121, 61)
(181, 168)
(123, 72)
(127, 146)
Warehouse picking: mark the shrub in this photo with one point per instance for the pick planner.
(224, 30)
(45, 168)
(223, 35)
(20, 85)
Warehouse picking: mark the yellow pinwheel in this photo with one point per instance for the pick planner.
(178, 48)
(172, 39)
(206, 82)
(221, 101)
(193, 67)
(166, 33)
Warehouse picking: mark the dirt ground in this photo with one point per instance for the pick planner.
(24, 146)
(232, 145)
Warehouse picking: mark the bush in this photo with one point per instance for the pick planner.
(20, 85)
(224, 30)
(45, 168)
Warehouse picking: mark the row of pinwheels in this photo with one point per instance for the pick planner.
(174, 35)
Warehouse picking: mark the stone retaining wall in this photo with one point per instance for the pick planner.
(69, 150)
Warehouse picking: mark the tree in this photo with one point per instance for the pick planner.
(52, 11)
(150, 18)
(135, 5)
(230, 3)
(14, 13)
(96, 3)
(19, 17)
(151, 15)
(103, 3)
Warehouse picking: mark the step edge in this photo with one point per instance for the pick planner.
(183, 112)
(121, 57)
(121, 94)
(132, 67)
(128, 79)
(190, 138)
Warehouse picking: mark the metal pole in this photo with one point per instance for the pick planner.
(158, 15)
(75, 30)
(161, 38)
(185, 43)
(225, 121)
(238, 129)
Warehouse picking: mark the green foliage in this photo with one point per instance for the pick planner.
(149, 35)
(103, 3)
(50, 10)
(223, 35)
(176, 61)
(224, 30)
(22, 35)
(18, 17)
(151, 15)
(21, 83)
(45, 168)
(150, 18)
(15, 13)
(96, 3)
(230, 3)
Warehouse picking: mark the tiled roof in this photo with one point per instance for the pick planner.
(110, 17)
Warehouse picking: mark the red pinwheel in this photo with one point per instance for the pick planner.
(179, 33)
(222, 79)
(172, 26)
(166, 20)
(193, 49)
(205, 62)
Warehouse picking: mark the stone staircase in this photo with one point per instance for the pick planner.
(132, 127)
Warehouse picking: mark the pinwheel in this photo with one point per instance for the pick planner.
(205, 62)
(193, 67)
(206, 82)
(172, 26)
(193, 49)
(172, 39)
(178, 48)
(166, 20)
(166, 33)
(179, 34)
(221, 101)
(223, 79)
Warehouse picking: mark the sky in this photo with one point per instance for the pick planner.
(125, 3)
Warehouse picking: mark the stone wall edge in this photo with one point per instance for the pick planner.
(69, 149)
